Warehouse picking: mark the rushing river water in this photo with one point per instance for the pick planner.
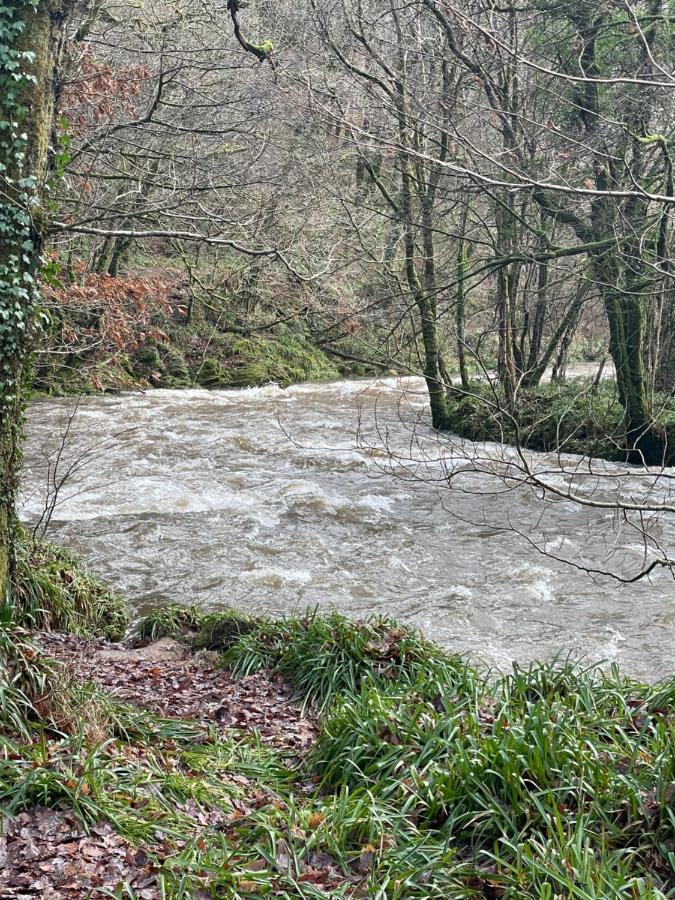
(264, 499)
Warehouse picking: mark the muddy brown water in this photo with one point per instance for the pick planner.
(269, 500)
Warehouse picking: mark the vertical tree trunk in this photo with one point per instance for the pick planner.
(426, 305)
(539, 313)
(506, 363)
(460, 297)
(31, 36)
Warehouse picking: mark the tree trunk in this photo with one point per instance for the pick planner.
(460, 309)
(506, 363)
(27, 101)
(426, 305)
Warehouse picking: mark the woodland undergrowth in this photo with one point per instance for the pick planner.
(426, 778)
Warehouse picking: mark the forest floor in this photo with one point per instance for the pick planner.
(52, 853)
(217, 755)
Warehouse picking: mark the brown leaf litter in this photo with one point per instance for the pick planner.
(46, 854)
(169, 680)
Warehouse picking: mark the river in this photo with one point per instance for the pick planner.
(266, 500)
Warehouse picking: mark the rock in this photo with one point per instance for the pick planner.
(166, 648)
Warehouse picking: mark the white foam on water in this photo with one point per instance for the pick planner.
(278, 577)
(207, 493)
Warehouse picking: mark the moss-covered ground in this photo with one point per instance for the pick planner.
(576, 417)
(197, 355)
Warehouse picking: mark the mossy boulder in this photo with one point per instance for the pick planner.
(210, 373)
(284, 359)
(148, 358)
(176, 372)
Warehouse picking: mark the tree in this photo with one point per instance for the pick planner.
(31, 42)
(588, 142)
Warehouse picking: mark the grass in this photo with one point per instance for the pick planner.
(174, 621)
(325, 656)
(428, 780)
(25, 680)
(54, 592)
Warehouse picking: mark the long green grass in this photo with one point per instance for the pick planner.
(428, 779)
(53, 591)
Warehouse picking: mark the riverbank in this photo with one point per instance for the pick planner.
(580, 416)
(171, 352)
(230, 756)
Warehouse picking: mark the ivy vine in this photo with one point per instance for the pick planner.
(18, 199)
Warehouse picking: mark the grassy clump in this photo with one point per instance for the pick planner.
(174, 621)
(53, 592)
(570, 418)
(559, 781)
(202, 630)
(26, 681)
(324, 656)
(220, 630)
(428, 780)
(37, 695)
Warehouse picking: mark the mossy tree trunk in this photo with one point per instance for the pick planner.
(31, 40)
(460, 301)
(425, 302)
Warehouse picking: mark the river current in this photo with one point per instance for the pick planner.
(331, 495)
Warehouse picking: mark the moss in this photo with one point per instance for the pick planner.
(283, 359)
(570, 418)
(209, 374)
(206, 353)
(52, 591)
(174, 364)
(148, 357)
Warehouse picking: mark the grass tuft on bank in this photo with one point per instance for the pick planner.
(428, 778)
(53, 591)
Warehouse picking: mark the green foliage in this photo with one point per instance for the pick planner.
(554, 781)
(220, 630)
(19, 261)
(54, 592)
(570, 418)
(284, 359)
(24, 680)
(204, 631)
(200, 353)
(561, 776)
(19, 255)
(149, 357)
(210, 373)
(324, 656)
(174, 621)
